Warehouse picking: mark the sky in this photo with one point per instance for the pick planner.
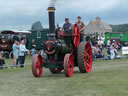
(20, 14)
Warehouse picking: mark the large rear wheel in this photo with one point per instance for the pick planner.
(84, 57)
(68, 65)
(37, 65)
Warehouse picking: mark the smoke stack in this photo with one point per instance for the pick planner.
(51, 11)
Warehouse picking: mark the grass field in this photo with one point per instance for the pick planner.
(108, 78)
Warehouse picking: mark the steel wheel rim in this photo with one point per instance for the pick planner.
(38, 68)
(88, 57)
(70, 65)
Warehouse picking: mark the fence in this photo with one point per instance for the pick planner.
(9, 55)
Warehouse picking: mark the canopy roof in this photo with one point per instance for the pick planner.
(15, 32)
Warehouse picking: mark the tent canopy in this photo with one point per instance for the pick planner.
(15, 32)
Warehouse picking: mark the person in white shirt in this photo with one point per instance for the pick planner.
(22, 52)
(108, 43)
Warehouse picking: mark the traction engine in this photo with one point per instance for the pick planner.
(63, 52)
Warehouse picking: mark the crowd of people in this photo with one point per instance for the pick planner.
(99, 46)
(19, 53)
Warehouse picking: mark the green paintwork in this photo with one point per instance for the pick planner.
(53, 65)
(38, 41)
(66, 47)
(122, 35)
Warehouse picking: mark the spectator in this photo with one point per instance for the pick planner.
(113, 50)
(2, 62)
(99, 42)
(33, 47)
(97, 52)
(81, 25)
(22, 53)
(15, 49)
(116, 47)
(108, 43)
(102, 43)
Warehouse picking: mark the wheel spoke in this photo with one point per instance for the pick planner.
(75, 35)
(87, 64)
(87, 49)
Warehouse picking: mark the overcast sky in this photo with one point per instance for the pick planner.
(20, 14)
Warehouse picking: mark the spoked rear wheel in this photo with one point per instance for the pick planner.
(37, 65)
(84, 57)
(68, 65)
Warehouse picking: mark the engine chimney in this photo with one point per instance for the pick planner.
(51, 11)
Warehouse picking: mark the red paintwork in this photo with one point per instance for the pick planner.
(76, 35)
(68, 66)
(88, 57)
(38, 68)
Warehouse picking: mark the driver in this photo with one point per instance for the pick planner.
(67, 25)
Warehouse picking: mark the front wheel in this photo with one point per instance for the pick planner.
(68, 65)
(37, 65)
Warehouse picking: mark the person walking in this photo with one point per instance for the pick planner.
(15, 49)
(22, 53)
(33, 47)
(81, 26)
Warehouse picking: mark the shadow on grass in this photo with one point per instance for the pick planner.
(59, 75)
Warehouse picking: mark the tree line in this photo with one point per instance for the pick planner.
(120, 28)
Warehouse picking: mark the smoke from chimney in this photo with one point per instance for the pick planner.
(52, 3)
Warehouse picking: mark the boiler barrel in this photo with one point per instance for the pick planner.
(65, 48)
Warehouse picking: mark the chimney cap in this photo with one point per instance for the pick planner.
(51, 9)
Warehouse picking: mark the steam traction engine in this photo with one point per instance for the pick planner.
(63, 53)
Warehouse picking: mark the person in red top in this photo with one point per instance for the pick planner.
(81, 25)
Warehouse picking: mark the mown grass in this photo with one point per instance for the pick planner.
(108, 78)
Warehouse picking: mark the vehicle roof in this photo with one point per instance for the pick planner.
(15, 32)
